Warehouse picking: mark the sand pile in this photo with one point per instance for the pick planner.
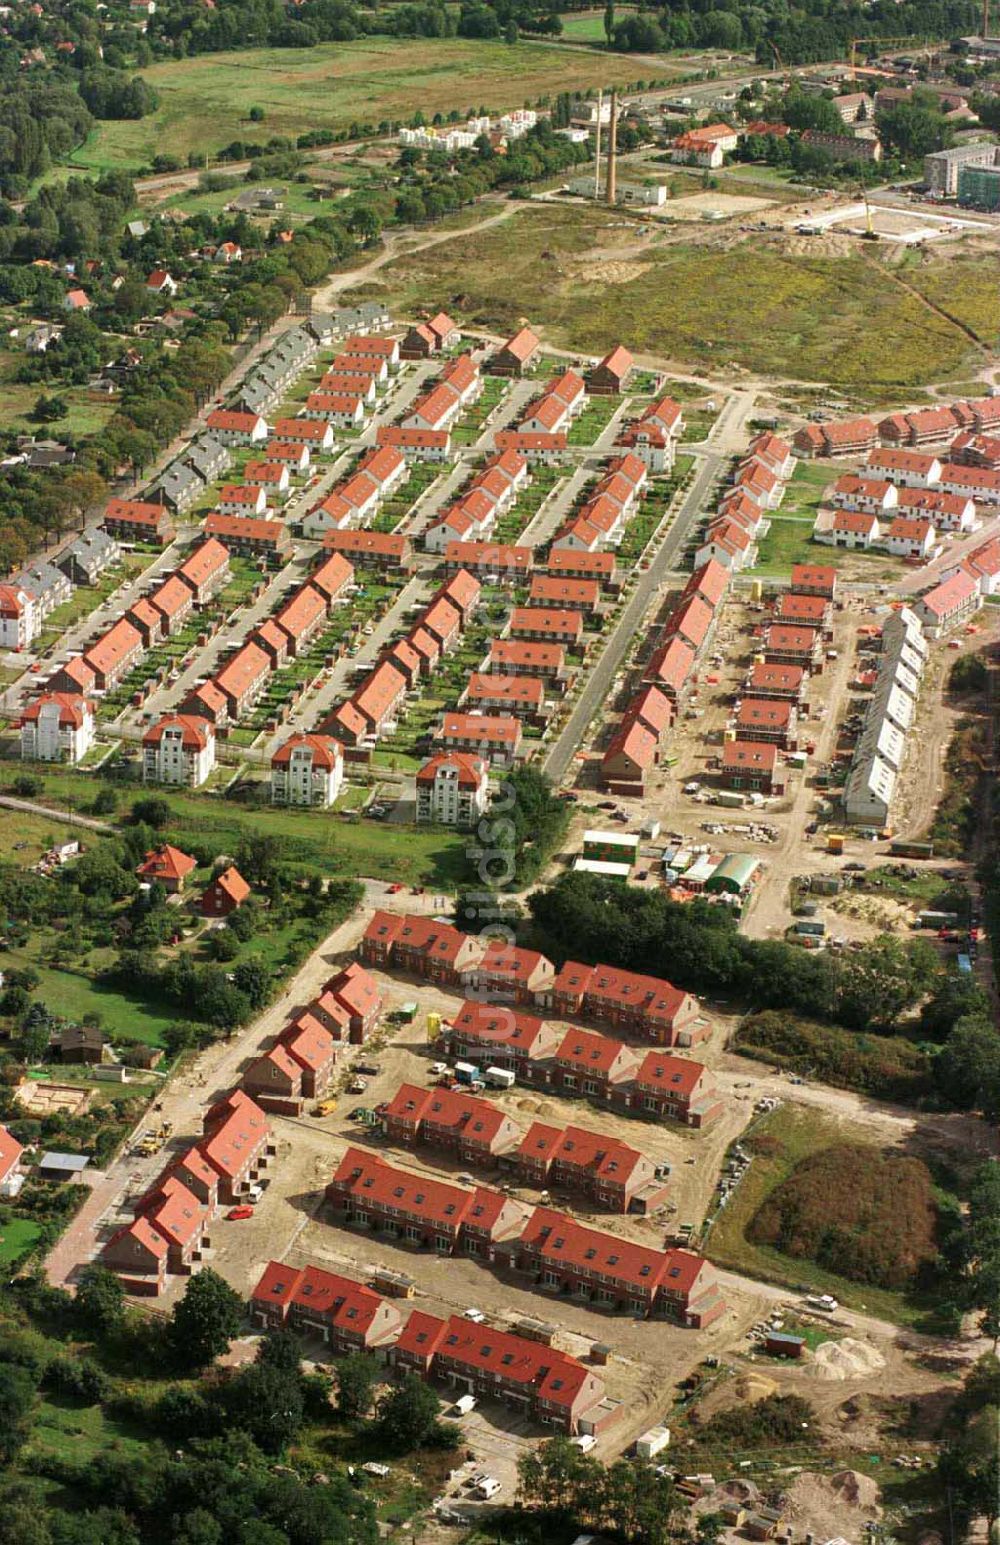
(835, 1504)
(846, 1359)
(754, 1386)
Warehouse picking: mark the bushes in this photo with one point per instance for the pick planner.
(770, 1423)
(869, 1216)
(888, 1067)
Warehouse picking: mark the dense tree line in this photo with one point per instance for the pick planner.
(697, 946)
(803, 34)
(629, 1501)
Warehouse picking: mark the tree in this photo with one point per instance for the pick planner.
(153, 811)
(281, 1349)
(408, 1415)
(205, 1320)
(356, 1380)
(968, 1067)
(100, 1300)
(252, 978)
(266, 1401)
(884, 979)
(256, 115)
(17, 1398)
(609, 23)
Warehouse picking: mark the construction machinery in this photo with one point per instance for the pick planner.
(869, 233)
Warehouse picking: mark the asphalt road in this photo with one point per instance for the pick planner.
(598, 683)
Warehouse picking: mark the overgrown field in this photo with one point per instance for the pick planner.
(588, 282)
(205, 101)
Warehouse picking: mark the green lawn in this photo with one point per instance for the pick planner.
(790, 541)
(72, 994)
(205, 101)
(16, 1237)
(798, 1133)
(332, 844)
(65, 1430)
(844, 320)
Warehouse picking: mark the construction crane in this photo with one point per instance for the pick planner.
(884, 42)
(869, 233)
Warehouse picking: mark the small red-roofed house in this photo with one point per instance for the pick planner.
(671, 1088)
(226, 892)
(167, 866)
(346, 1315)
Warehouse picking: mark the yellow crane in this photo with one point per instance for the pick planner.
(869, 233)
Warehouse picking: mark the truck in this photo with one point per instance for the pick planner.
(903, 849)
(824, 1302)
(467, 1073)
(500, 1078)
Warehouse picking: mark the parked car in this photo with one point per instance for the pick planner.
(237, 1214)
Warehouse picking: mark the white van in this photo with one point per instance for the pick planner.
(488, 1487)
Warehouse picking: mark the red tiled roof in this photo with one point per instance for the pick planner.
(166, 863)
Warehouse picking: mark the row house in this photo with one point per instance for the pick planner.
(926, 426)
(418, 946)
(867, 495)
(804, 611)
(848, 437)
(243, 679)
(48, 585)
(376, 549)
(610, 1172)
(520, 695)
(774, 452)
(692, 621)
(237, 1144)
(147, 620)
(242, 499)
(344, 1314)
(537, 447)
(765, 681)
(301, 618)
(611, 375)
(505, 971)
(640, 1005)
(429, 1214)
(167, 1234)
(654, 436)
(727, 542)
(814, 579)
(547, 1386)
(984, 566)
(513, 657)
(976, 450)
(89, 555)
(357, 995)
(297, 1068)
(339, 410)
(564, 563)
(613, 1273)
(250, 537)
(555, 625)
(235, 428)
(361, 346)
(752, 766)
(849, 529)
(759, 483)
(374, 706)
(317, 434)
(911, 539)
(475, 1130)
(670, 1088)
(294, 455)
(669, 667)
(493, 562)
(785, 644)
(561, 401)
(332, 577)
(272, 476)
(767, 720)
(908, 469)
(11, 1167)
(949, 512)
(350, 383)
(496, 1035)
(557, 590)
(178, 749)
(495, 737)
(114, 654)
(630, 757)
(427, 338)
(205, 570)
(952, 602)
(416, 444)
(134, 520)
(517, 356)
(57, 727)
(977, 483)
(590, 1065)
(173, 602)
(470, 519)
(374, 371)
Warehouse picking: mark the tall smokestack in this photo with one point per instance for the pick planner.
(597, 147)
(611, 194)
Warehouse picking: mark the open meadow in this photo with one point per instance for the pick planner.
(205, 101)
(588, 279)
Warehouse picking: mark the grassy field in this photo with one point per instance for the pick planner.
(798, 1132)
(379, 850)
(205, 101)
(71, 994)
(15, 1237)
(840, 320)
(85, 414)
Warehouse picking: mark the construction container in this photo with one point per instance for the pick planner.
(500, 1078)
(781, 1344)
(652, 1442)
(467, 1072)
(394, 1283)
(433, 1026)
(835, 842)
